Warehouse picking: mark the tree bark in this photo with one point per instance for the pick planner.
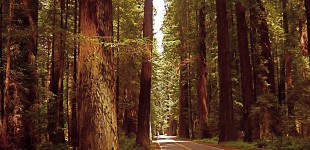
(204, 112)
(96, 78)
(1, 65)
(246, 70)
(183, 82)
(143, 134)
(226, 116)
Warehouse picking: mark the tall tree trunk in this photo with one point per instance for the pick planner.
(203, 119)
(74, 129)
(6, 104)
(97, 121)
(60, 71)
(1, 65)
(246, 70)
(31, 20)
(55, 104)
(143, 134)
(51, 127)
(226, 116)
(282, 86)
(184, 85)
(68, 70)
(307, 5)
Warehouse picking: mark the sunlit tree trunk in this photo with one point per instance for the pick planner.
(96, 78)
(246, 70)
(226, 116)
(143, 134)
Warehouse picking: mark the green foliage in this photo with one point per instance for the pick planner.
(213, 140)
(49, 146)
(128, 142)
(240, 145)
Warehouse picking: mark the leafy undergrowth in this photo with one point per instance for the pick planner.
(240, 145)
(210, 141)
(287, 143)
(128, 143)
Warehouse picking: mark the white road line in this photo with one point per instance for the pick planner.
(159, 145)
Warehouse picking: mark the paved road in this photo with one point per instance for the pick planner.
(171, 143)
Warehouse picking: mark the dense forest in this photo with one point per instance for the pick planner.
(91, 74)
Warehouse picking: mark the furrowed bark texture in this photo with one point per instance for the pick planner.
(203, 118)
(96, 92)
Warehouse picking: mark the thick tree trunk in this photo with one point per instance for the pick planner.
(97, 121)
(246, 70)
(203, 119)
(226, 116)
(143, 134)
(183, 82)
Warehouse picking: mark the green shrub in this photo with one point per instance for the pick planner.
(213, 140)
(240, 145)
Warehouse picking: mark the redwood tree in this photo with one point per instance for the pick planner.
(96, 78)
(246, 70)
(226, 116)
(202, 90)
(183, 82)
(143, 134)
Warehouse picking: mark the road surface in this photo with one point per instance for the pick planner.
(171, 143)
